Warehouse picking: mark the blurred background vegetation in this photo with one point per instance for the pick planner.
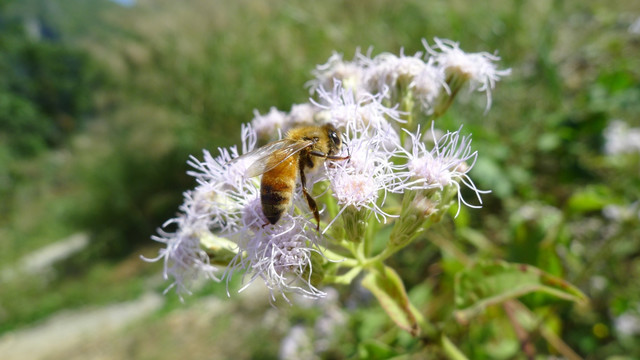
(102, 103)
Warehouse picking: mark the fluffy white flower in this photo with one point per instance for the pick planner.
(622, 213)
(428, 84)
(390, 73)
(365, 179)
(448, 163)
(388, 70)
(628, 323)
(280, 255)
(301, 114)
(184, 259)
(229, 191)
(478, 68)
(297, 344)
(336, 69)
(267, 125)
(621, 139)
(219, 202)
(345, 108)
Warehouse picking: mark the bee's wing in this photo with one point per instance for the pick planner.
(271, 155)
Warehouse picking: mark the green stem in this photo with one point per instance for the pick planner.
(406, 106)
(340, 260)
(370, 231)
(344, 279)
(451, 349)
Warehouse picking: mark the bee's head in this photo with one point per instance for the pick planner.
(335, 143)
(335, 139)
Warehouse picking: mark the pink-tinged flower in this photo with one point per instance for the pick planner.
(447, 164)
(477, 69)
(229, 191)
(364, 180)
(391, 74)
(428, 85)
(266, 126)
(219, 203)
(280, 255)
(348, 73)
(364, 110)
(184, 259)
(301, 115)
(227, 202)
(389, 71)
(275, 123)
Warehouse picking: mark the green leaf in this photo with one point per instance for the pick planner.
(591, 198)
(387, 287)
(375, 349)
(490, 283)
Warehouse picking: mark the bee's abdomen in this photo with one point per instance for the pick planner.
(276, 191)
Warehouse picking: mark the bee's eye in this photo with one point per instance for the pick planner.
(335, 138)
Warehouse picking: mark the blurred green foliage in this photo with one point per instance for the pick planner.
(45, 90)
(101, 106)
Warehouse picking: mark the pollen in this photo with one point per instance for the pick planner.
(433, 171)
(356, 189)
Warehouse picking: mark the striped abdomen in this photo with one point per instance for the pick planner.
(276, 189)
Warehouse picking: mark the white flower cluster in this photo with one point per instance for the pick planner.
(477, 68)
(276, 122)
(357, 98)
(628, 323)
(621, 139)
(447, 163)
(620, 213)
(444, 69)
(364, 180)
(227, 204)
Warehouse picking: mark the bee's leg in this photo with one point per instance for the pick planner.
(330, 157)
(310, 201)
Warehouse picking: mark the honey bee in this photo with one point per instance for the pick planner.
(282, 162)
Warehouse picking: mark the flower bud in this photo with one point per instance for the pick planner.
(420, 209)
(355, 223)
(456, 78)
(218, 249)
(314, 271)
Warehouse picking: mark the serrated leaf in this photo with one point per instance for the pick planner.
(387, 287)
(490, 283)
